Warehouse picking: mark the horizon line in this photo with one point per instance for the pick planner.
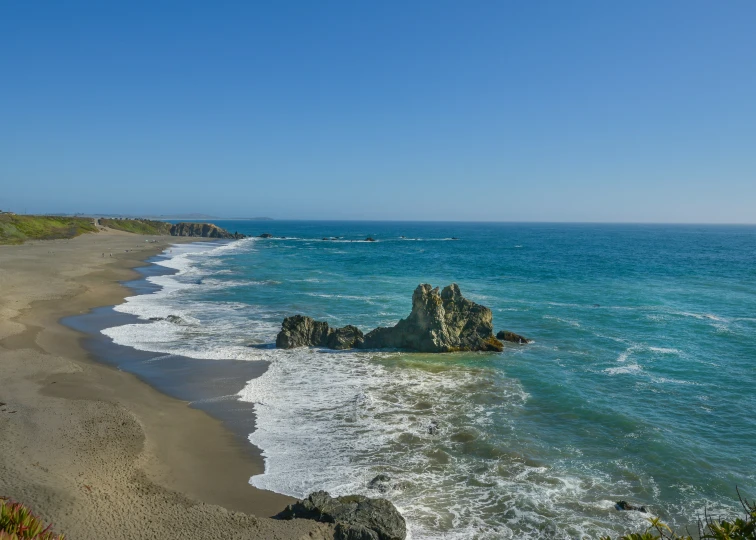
(176, 216)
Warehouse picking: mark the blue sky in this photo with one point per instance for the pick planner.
(492, 111)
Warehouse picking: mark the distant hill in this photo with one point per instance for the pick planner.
(184, 217)
(191, 216)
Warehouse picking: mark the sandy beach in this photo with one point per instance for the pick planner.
(94, 450)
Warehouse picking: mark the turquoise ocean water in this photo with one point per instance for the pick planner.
(640, 384)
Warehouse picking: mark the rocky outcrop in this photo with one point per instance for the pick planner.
(512, 337)
(348, 337)
(355, 517)
(301, 331)
(203, 230)
(439, 322)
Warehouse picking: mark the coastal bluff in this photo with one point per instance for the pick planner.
(440, 322)
(155, 227)
(203, 230)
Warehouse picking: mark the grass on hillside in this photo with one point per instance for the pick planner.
(137, 226)
(16, 229)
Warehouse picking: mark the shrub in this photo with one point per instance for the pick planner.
(708, 528)
(18, 523)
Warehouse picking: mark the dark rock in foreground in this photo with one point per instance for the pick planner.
(203, 230)
(301, 331)
(511, 336)
(356, 517)
(439, 322)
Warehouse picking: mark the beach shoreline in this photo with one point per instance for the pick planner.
(87, 445)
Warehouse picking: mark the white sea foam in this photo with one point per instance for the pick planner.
(632, 367)
(335, 420)
(216, 318)
(570, 322)
(629, 369)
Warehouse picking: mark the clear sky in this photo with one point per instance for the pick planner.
(439, 110)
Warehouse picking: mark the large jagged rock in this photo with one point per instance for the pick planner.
(203, 230)
(439, 322)
(301, 331)
(356, 517)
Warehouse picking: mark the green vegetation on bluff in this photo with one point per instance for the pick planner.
(137, 226)
(18, 523)
(16, 229)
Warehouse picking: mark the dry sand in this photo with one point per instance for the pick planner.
(94, 450)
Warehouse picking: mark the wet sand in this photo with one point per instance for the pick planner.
(94, 449)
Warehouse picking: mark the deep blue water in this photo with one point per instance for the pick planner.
(640, 383)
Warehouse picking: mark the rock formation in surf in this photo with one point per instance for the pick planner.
(203, 230)
(355, 517)
(301, 331)
(439, 322)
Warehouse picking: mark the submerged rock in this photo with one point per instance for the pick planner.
(512, 337)
(380, 483)
(624, 505)
(175, 319)
(439, 322)
(265, 235)
(301, 331)
(356, 517)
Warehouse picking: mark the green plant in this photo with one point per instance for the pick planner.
(18, 523)
(708, 528)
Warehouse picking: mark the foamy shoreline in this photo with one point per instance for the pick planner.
(87, 445)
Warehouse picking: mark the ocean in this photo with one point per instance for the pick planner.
(640, 383)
